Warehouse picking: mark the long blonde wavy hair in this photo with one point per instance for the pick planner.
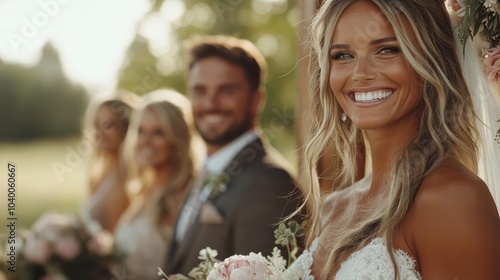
(121, 103)
(446, 129)
(174, 112)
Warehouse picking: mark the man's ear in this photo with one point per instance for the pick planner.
(258, 101)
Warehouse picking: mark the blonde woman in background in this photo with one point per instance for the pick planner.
(166, 152)
(107, 121)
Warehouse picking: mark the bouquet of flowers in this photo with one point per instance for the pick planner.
(248, 267)
(63, 247)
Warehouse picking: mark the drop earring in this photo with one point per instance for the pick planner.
(343, 117)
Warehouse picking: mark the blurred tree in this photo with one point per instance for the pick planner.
(39, 102)
(156, 61)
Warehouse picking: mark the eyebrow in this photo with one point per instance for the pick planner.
(374, 42)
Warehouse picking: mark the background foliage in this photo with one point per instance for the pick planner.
(39, 102)
(41, 110)
(270, 24)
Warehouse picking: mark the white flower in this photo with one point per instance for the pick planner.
(101, 243)
(277, 264)
(492, 5)
(207, 254)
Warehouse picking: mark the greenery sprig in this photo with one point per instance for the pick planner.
(287, 237)
(217, 182)
(480, 17)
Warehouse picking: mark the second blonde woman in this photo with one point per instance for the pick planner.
(164, 153)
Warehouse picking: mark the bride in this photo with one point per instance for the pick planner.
(387, 72)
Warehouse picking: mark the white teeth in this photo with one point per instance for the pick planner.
(371, 96)
(214, 118)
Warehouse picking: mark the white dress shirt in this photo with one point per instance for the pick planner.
(214, 164)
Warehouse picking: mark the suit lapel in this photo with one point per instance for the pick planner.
(253, 150)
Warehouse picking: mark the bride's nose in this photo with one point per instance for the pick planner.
(363, 70)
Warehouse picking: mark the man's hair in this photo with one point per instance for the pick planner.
(240, 52)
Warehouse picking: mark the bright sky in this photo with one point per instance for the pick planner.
(91, 35)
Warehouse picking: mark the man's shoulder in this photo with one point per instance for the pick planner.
(261, 157)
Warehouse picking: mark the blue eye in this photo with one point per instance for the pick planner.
(389, 50)
(341, 56)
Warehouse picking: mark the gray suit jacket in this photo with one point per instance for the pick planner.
(260, 192)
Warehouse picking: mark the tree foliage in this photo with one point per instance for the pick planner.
(270, 24)
(39, 102)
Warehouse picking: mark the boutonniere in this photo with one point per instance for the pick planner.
(217, 183)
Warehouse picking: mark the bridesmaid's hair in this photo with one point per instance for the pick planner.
(121, 104)
(446, 129)
(174, 112)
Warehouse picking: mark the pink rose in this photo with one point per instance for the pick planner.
(238, 267)
(37, 250)
(458, 6)
(101, 243)
(492, 62)
(67, 247)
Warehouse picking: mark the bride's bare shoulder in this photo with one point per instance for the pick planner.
(453, 188)
(452, 183)
(454, 208)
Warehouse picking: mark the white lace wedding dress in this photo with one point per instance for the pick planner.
(369, 263)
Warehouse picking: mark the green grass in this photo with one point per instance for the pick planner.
(51, 175)
(39, 188)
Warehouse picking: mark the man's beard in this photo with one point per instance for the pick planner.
(229, 135)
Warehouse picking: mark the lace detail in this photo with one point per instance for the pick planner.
(373, 262)
(301, 267)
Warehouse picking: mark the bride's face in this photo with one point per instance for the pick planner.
(369, 75)
(153, 145)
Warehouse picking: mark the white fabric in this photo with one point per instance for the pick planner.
(140, 238)
(301, 267)
(218, 161)
(371, 262)
(487, 109)
(214, 164)
(94, 205)
(192, 206)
